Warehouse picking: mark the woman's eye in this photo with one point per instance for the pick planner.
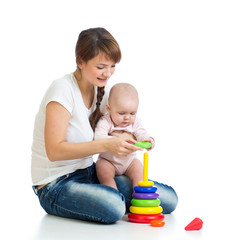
(100, 68)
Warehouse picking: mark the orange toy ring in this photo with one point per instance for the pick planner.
(157, 223)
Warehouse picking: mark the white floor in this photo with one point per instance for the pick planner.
(182, 56)
(207, 188)
(26, 220)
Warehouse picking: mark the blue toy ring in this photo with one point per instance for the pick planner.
(145, 189)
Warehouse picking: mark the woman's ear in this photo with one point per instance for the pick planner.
(80, 63)
(108, 108)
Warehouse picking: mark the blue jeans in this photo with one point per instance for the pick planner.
(79, 195)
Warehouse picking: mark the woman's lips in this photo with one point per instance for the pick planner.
(102, 79)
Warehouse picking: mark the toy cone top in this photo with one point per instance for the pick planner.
(196, 224)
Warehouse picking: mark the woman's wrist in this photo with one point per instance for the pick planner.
(102, 145)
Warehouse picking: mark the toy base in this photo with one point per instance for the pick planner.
(138, 218)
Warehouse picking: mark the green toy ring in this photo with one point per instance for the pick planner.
(145, 202)
(143, 144)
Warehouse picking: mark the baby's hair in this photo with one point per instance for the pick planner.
(90, 43)
(123, 88)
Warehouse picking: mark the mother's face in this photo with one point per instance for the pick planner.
(98, 70)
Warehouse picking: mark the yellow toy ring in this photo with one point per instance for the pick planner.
(145, 184)
(145, 210)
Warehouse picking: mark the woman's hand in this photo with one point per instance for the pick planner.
(121, 146)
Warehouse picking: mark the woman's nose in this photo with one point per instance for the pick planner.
(107, 73)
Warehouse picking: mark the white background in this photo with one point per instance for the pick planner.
(183, 57)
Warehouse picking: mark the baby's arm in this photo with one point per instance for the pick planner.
(141, 133)
(102, 129)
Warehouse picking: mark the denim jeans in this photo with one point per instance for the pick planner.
(79, 195)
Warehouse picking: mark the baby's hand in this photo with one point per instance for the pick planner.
(151, 140)
(124, 135)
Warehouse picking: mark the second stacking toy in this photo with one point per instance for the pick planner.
(145, 203)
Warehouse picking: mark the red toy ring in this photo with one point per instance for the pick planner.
(139, 218)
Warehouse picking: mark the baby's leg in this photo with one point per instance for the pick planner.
(135, 171)
(106, 173)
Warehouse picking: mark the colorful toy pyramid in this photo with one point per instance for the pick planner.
(145, 203)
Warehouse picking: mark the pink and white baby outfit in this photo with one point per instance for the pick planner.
(105, 126)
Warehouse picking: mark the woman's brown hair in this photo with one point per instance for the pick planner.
(90, 43)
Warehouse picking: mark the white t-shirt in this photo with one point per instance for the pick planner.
(66, 92)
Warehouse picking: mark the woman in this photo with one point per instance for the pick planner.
(63, 171)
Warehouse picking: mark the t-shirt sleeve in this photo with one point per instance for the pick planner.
(60, 92)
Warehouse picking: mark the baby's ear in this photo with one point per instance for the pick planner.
(108, 108)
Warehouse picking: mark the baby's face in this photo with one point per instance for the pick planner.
(123, 112)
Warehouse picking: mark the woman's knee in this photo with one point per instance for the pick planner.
(103, 203)
(114, 211)
(114, 204)
(167, 196)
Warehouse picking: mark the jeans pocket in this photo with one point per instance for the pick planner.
(53, 187)
(48, 194)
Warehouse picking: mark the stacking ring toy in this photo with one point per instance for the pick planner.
(145, 210)
(137, 218)
(145, 189)
(145, 145)
(145, 195)
(145, 202)
(145, 182)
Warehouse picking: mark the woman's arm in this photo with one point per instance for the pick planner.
(56, 124)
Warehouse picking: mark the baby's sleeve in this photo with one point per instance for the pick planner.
(102, 129)
(139, 131)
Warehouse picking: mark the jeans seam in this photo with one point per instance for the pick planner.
(70, 211)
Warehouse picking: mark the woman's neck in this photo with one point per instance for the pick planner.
(85, 86)
(86, 89)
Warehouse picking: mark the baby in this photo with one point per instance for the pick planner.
(121, 117)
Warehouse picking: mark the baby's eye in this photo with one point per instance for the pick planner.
(121, 113)
(133, 113)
